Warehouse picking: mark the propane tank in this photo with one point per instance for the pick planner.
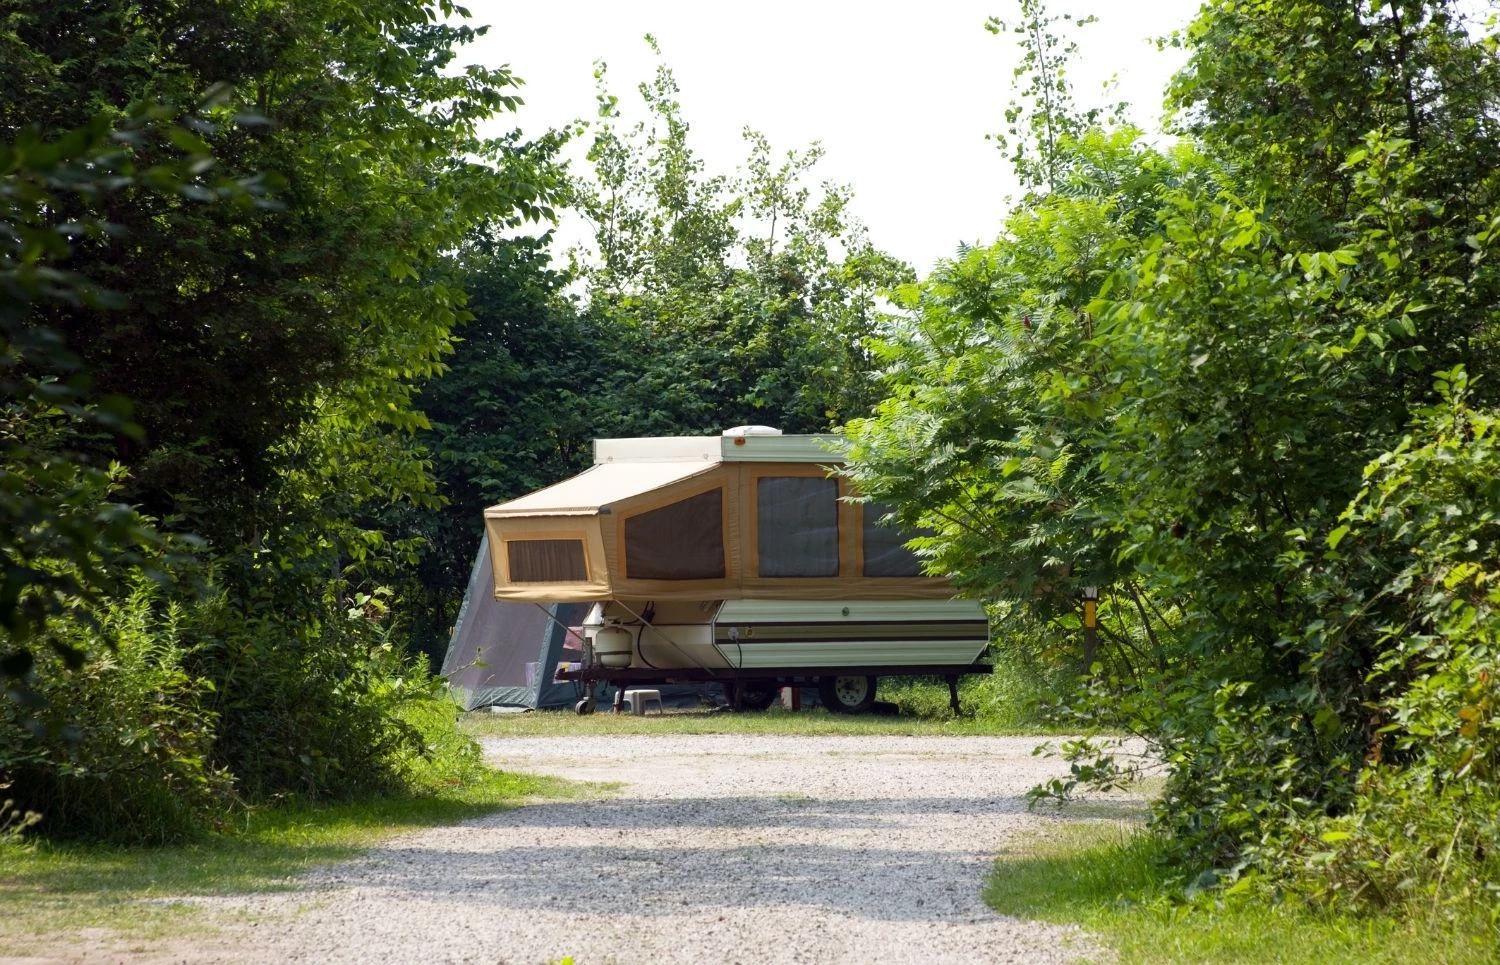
(613, 646)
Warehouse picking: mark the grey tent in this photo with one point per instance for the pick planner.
(504, 654)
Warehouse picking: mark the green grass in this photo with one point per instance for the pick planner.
(813, 722)
(1108, 878)
(1006, 700)
(999, 703)
(52, 889)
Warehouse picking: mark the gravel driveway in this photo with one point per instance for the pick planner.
(726, 848)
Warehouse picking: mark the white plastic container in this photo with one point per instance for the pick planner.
(613, 646)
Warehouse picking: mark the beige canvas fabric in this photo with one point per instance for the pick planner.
(596, 506)
(600, 486)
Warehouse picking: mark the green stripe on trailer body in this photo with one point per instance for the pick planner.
(757, 633)
(853, 654)
(844, 611)
(776, 633)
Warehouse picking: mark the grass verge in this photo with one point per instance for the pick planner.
(1109, 879)
(814, 722)
(1005, 702)
(50, 889)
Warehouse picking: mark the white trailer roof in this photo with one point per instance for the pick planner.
(726, 448)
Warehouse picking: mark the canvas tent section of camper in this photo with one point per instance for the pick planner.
(710, 518)
(506, 653)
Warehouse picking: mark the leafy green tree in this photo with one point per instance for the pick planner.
(1167, 379)
(273, 351)
(1044, 119)
(744, 298)
(1283, 329)
(240, 321)
(530, 383)
(67, 541)
(1000, 394)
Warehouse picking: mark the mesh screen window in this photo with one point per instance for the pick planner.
(885, 552)
(797, 522)
(680, 541)
(546, 561)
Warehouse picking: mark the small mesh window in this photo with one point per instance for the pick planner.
(546, 561)
(797, 518)
(885, 552)
(680, 541)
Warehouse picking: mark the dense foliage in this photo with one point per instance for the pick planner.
(744, 298)
(1220, 383)
(267, 354)
(529, 384)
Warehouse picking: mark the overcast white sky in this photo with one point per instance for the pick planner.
(900, 95)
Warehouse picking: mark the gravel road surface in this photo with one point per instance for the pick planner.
(725, 848)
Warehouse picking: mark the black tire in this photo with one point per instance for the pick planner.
(584, 706)
(847, 695)
(754, 694)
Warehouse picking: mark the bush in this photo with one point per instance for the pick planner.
(1011, 698)
(306, 691)
(1424, 823)
(1371, 778)
(142, 745)
(447, 757)
(319, 700)
(119, 749)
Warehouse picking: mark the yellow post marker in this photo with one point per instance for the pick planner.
(1090, 626)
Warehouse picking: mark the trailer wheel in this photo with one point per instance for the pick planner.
(754, 694)
(847, 695)
(584, 706)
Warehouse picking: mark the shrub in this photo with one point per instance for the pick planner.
(118, 749)
(318, 700)
(1425, 821)
(301, 697)
(446, 757)
(141, 746)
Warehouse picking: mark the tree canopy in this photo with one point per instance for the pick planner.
(268, 340)
(1182, 376)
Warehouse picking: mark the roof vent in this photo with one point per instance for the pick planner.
(742, 431)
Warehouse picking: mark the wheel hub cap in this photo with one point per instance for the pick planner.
(851, 690)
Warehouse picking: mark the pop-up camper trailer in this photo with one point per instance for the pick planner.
(733, 558)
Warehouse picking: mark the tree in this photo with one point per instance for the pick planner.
(744, 299)
(66, 540)
(528, 386)
(241, 321)
(272, 352)
(1000, 391)
(1169, 377)
(1044, 120)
